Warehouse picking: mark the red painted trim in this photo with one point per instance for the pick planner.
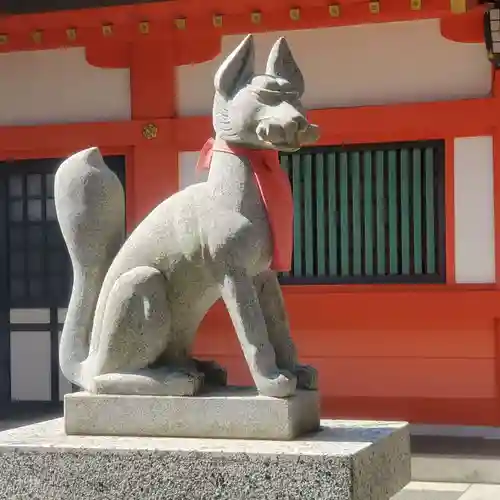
(389, 288)
(196, 48)
(59, 152)
(496, 201)
(70, 137)
(153, 164)
(496, 331)
(236, 19)
(335, 308)
(130, 189)
(109, 55)
(496, 176)
(449, 175)
(152, 87)
(402, 122)
(154, 177)
(495, 83)
(466, 28)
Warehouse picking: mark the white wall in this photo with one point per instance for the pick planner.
(359, 65)
(59, 86)
(474, 210)
(30, 360)
(30, 366)
(187, 169)
(64, 384)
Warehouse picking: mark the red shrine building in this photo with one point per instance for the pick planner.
(394, 292)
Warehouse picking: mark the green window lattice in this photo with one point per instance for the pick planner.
(368, 214)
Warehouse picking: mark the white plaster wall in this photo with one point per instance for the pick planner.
(187, 169)
(59, 86)
(31, 357)
(64, 384)
(359, 65)
(474, 210)
(30, 366)
(37, 316)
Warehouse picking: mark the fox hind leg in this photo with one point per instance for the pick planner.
(135, 330)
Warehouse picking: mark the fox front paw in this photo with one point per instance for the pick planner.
(281, 385)
(307, 377)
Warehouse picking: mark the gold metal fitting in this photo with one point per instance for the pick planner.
(256, 17)
(334, 10)
(180, 23)
(374, 7)
(71, 34)
(36, 36)
(4, 38)
(295, 14)
(217, 20)
(458, 6)
(107, 29)
(150, 131)
(416, 4)
(144, 27)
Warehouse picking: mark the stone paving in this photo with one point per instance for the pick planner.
(449, 491)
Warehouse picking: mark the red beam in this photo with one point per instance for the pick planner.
(236, 18)
(72, 137)
(402, 122)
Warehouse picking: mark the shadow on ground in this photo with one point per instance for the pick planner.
(20, 414)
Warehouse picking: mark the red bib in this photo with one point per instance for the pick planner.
(275, 192)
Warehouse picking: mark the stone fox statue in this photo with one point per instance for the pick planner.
(136, 305)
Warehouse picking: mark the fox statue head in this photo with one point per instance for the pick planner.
(261, 110)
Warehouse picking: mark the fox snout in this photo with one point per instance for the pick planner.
(289, 135)
(309, 135)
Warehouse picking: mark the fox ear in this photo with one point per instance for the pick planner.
(282, 64)
(237, 69)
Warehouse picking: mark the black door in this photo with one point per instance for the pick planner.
(35, 279)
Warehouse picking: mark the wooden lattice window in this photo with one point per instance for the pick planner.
(368, 214)
(38, 267)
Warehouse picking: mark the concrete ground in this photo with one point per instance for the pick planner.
(449, 491)
(454, 463)
(447, 463)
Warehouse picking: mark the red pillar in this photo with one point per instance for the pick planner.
(496, 203)
(152, 169)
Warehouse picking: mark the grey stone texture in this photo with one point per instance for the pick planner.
(237, 413)
(136, 303)
(343, 461)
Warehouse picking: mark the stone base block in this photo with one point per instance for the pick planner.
(237, 413)
(342, 461)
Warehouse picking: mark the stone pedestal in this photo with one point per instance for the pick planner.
(342, 461)
(236, 413)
